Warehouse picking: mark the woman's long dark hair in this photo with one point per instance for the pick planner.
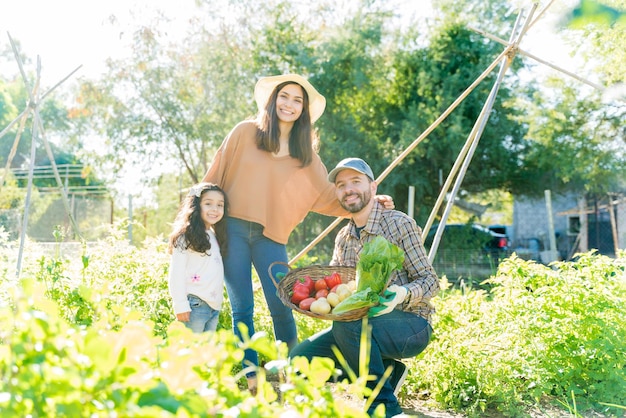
(302, 138)
(189, 231)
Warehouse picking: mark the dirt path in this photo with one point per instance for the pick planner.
(418, 406)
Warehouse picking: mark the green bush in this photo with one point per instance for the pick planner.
(93, 334)
(53, 368)
(540, 333)
(54, 363)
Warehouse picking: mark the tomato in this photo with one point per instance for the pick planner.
(300, 293)
(334, 289)
(303, 286)
(320, 284)
(333, 280)
(322, 293)
(308, 281)
(305, 304)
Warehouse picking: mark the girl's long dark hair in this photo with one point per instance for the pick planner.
(302, 138)
(189, 231)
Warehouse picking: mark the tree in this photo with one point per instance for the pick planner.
(169, 105)
(427, 81)
(382, 90)
(603, 27)
(578, 144)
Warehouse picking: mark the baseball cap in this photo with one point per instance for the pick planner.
(355, 164)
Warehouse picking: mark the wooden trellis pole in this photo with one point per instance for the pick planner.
(410, 148)
(419, 139)
(474, 136)
(464, 157)
(33, 108)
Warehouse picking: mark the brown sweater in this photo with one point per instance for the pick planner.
(275, 192)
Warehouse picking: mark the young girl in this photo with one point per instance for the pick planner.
(197, 245)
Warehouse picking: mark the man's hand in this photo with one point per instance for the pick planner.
(393, 296)
(385, 200)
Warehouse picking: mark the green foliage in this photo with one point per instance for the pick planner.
(540, 333)
(93, 334)
(51, 368)
(95, 337)
(571, 131)
(205, 80)
(590, 12)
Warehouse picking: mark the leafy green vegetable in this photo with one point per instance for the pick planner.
(377, 260)
(359, 299)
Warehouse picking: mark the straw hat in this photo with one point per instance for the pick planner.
(265, 86)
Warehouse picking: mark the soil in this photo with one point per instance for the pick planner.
(420, 406)
(419, 409)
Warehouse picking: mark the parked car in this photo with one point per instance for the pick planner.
(468, 250)
(469, 237)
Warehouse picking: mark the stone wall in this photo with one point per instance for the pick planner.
(531, 222)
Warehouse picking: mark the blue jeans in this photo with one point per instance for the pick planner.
(247, 246)
(395, 335)
(202, 317)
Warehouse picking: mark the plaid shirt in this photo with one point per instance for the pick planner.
(417, 275)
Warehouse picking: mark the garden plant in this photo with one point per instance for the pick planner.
(93, 334)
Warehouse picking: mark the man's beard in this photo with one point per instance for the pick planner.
(364, 199)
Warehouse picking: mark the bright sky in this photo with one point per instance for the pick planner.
(68, 33)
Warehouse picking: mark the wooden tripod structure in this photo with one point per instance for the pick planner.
(34, 101)
(464, 158)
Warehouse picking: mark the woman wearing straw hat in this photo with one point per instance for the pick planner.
(273, 176)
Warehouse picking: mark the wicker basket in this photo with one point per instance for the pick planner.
(285, 287)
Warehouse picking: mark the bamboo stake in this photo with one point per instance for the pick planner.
(35, 105)
(29, 188)
(540, 60)
(475, 135)
(23, 117)
(459, 161)
(419, 139)
(13, 122)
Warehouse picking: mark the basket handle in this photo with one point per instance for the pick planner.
(269, 271)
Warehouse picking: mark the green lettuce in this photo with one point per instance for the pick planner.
(362, 299)
(378, 259)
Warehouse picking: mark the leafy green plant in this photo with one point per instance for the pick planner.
(540, 333)
(95, 331)
(50, 367)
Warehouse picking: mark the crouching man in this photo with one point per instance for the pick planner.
(401, 327)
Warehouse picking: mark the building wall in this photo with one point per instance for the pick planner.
(530, 221)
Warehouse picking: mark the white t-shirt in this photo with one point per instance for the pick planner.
(199, 274)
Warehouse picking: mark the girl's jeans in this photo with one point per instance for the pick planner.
(247, 246)
(202, 317)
